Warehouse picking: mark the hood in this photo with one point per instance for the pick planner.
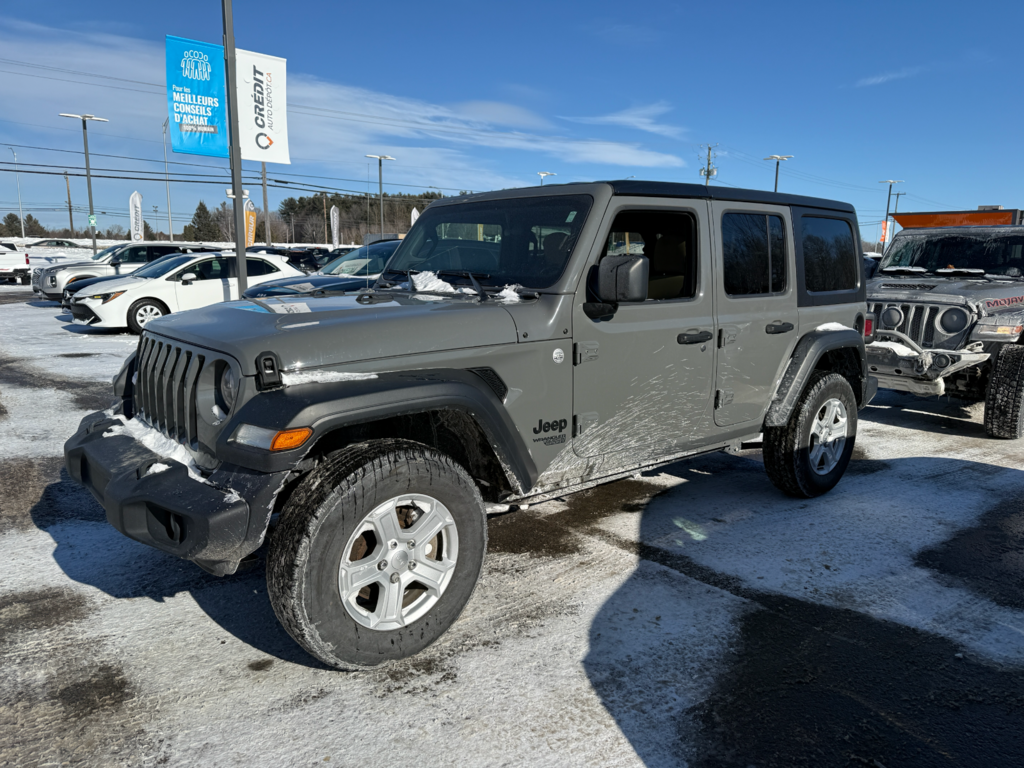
(990, 295)
(312, 332)
(308, 283)
(118, 283)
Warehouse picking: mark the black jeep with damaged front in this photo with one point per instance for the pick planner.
(949, 307)
(519, 345)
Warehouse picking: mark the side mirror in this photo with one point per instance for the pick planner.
(188, 278)
(622, 278)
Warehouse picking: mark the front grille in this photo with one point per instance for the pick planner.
(918, 322)
(165, 388)
(907, 286)
(36, 276)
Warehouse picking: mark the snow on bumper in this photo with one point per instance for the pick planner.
(214, 523)
(920, 371)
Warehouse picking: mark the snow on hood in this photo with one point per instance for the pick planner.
(312, 332)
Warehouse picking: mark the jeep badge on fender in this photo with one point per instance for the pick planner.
(399, 413)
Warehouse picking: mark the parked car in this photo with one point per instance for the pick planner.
(55, 244)
(182, 281)
(116, 260)
(86, 284)
(20, 264)
(349, 272)
(375, 429)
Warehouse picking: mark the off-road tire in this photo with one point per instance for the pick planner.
(1004, 397)
(133, 324)
(306, 549)
(25, 280)
(785, 448)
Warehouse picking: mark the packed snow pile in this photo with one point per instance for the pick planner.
(429, 281)
(895, 346)
(155, 469)
(322, 377)
(510, 294)
(833, 327)
(158, 443)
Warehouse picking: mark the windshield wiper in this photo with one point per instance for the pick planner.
(406, 273)
(960, 271)
(472, 279)
(908, 270)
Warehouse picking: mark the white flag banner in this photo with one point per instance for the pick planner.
(135, 215)
(262, 107)
(335, 226)
(415, 215)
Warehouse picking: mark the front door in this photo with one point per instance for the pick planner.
(642, 378)
(214, 281)
(756, 307)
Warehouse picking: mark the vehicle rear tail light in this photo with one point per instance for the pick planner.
(869, 327)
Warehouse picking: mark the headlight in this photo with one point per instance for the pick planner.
(229, 386)
(105, 297)
(953, 321)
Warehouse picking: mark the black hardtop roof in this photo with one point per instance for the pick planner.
(640, 188)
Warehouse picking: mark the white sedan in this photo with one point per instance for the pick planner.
(172, 284)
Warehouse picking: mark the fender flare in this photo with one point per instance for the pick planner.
(809, 350)
(326, 407)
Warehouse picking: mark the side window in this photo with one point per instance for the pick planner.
(830, 258)
(136, 255)
(257, 267)
(669, 241)
(753, 254)
(210, 269)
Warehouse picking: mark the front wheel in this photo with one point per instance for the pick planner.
(1004, 397)
(377, 553)
(144, 311)
(809, 455)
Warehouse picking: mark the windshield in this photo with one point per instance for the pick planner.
(368, 260)
(163, 265)
(524, 241)
(995, 253)
(105, 252)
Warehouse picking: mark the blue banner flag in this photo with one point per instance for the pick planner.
(196, 97)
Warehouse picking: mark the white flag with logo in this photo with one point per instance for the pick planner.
(135, 214)
(335, 225)
(415, 215)
(262, 107)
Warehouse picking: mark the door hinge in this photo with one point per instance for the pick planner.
(723, 397)
(582, 422)
(584, 352)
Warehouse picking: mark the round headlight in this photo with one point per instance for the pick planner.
(892, 317)
(229, 386)
(953, 321)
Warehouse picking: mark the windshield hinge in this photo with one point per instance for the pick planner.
(584, 352)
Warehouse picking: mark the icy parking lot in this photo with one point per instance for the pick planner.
(692, 616)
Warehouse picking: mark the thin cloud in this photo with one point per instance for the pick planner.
(638, 118)
(888, 76)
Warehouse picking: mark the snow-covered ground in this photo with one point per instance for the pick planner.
(606, 627)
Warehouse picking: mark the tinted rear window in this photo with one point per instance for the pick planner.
(831, 260)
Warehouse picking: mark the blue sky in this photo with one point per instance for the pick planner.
(483, 95)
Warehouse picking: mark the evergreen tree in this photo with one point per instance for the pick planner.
(147, 231)
(11, 226)
(204, 227)
(33, 228)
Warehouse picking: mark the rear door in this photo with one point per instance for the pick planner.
(756, 307)
(642, 378)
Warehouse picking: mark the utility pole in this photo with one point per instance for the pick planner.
(885, 237)
(896, 207)
(266, 205)
(380, 181)
(708, 171)
(17, 176)
(88, 173)
(167, 183)
(236, 145)
(71, 219)
(325, 215)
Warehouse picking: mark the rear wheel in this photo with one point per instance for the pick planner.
(809, 455)
(1004, 398)
(145, 311)
(377, 553)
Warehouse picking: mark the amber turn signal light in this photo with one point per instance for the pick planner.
(290, 438)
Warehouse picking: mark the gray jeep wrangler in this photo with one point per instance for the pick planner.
(949, 310)
(521, 345)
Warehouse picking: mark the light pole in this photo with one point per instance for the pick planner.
(18, 177)
(88, 174)
(885, 229)
(542, 174)
(778, 159)
(170, 226)
(380, 182)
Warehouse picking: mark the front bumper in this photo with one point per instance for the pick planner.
(214, 524)
(81, 313)
(919, 372)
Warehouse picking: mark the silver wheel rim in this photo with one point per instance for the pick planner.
(146, 313)
(828, 436)
(399, 562)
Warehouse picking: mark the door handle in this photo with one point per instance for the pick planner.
(778, 328)
(697, 337)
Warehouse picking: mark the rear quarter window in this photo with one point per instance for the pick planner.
(831, 261)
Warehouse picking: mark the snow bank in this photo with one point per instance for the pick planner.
(158, 443)
(322, 377)
(895, 346)
(833, 327)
